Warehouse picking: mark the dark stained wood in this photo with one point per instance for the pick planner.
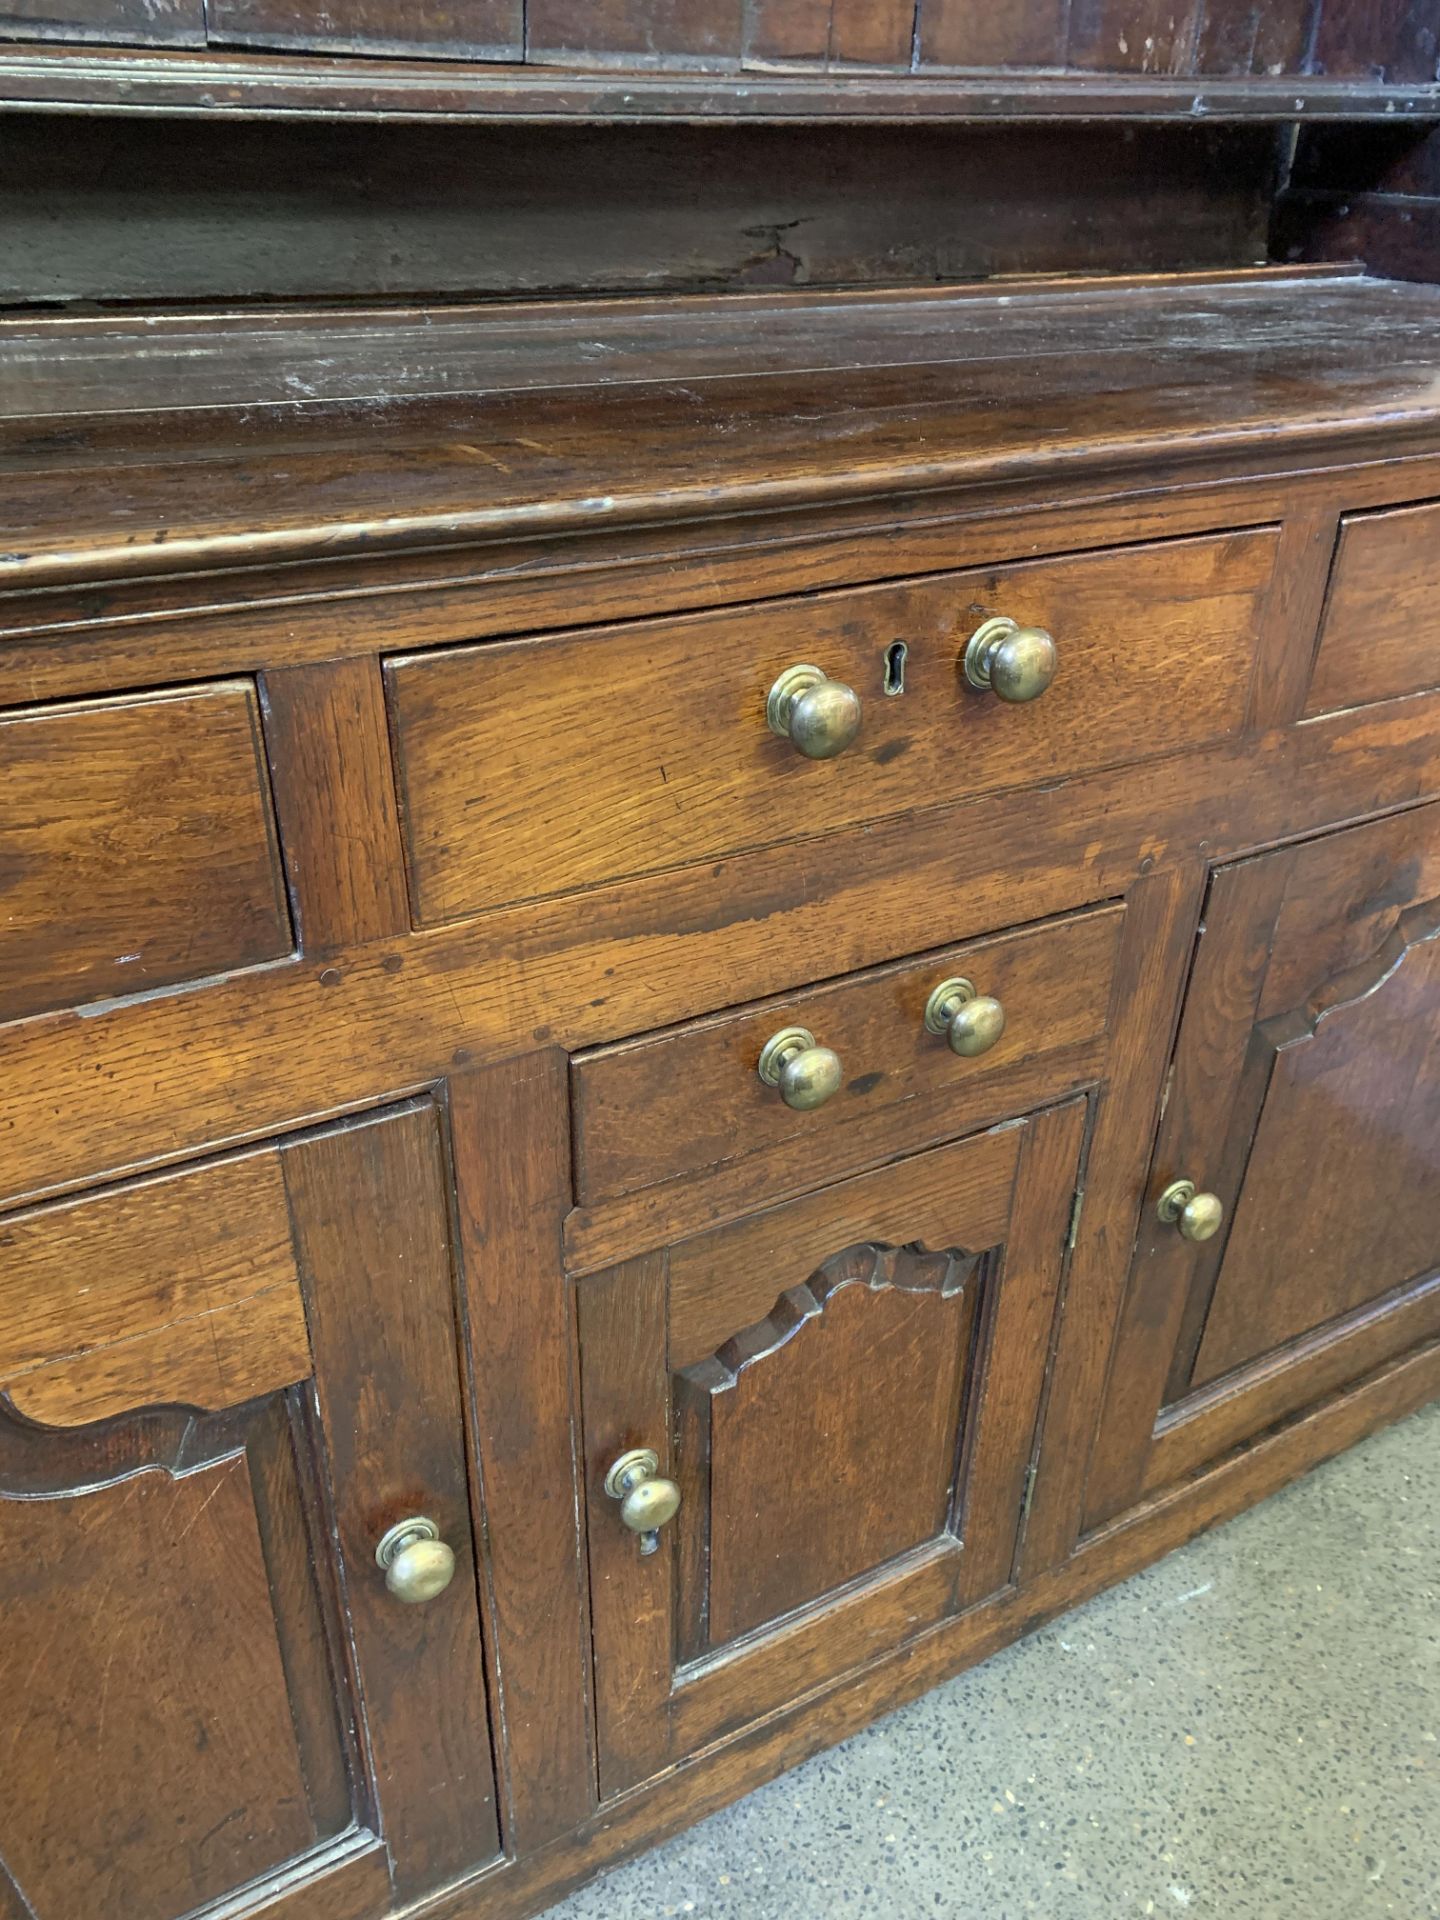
(1141, 36)
(1399, 39)
(1270, 375)
(245, 1057)
(335, 795)
(1254, 36)
(485, 736)
(146, 1606)
(1378, 637)
(178, 1291)
(971, 33)
(140, 23)
(226, 85)
(832, 1319)
(136, 847)
(456, 29)
(370, 1209)
(1301, 1092)
(1159, 932)
(635, 33)
(1292, 613)
(651, 1109)
(875, 33)
(509, 1125)
(817, 1384)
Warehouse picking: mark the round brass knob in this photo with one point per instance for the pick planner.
(806, 1075)
(416, 1561)
(1197, 1215)
(971, 1021)
(818, 715)
(1014, 663)
(647, 1500)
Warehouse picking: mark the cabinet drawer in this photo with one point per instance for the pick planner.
(678, 1102)
(137, 846)
(1380, 636)
(535, 767)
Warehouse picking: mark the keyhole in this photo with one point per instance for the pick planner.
(895, 667)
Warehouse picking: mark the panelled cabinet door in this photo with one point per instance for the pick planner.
(1304, 1108)
(843, 1392)
(221, 1388)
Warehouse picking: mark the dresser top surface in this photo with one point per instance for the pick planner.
(160, 441)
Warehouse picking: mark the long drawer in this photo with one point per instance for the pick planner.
(693, 1098)
(537, 767)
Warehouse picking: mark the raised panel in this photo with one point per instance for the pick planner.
(137, 846)
(812, 1480)
(150, 1763)
(1341, 1199)
(847, 1397)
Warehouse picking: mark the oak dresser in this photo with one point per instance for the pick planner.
(707, 999)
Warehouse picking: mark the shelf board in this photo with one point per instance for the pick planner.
(315, 87)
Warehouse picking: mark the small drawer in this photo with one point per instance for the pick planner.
(693, 1098)
(181, 1290)
(536, 767)
(137, 846)
(1380, 638)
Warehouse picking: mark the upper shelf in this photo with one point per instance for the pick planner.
(155, 444)
(316, 87)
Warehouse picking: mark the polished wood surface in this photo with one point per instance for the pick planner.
(139, 846)
(1220, 376)
(680, 763)
(485, 1129)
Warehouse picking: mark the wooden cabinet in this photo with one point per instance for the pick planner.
(223, 1388)
(558, 1253)
(1305, 1094)
(844, 1390)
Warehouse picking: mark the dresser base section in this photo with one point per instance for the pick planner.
(643, 1818)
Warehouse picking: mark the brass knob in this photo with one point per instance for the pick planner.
(972, 1021)
(417, 1562)
(647, 1500)
(1197, 1215)
(818, 715)
(806, 1075)
(1014, 663)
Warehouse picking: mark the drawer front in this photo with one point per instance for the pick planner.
(1381, 634)
(535, 767)
(693, 1098)
(137, 846)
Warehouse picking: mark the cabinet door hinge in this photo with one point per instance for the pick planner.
(1077, 1206)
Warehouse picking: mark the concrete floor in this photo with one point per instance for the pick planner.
(1248, 1729)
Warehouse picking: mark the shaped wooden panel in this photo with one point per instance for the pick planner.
(137, 846)
(1303, 1093)
(845, 1390)
(180, 1291)
(813, 1479)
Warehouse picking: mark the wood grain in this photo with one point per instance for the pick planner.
(371, 1224)
(509, 1126)
(455, 29)
(177, 1291)
(140, 23)
(335, 794)
(724, 1281)
(484, 736)
(1378, 640)
(649, 1110)
(147, 1604)
(136, 847)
